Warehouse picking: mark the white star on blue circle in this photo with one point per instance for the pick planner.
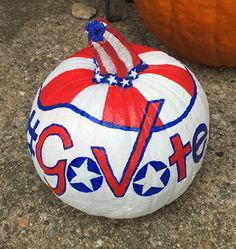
(151, 179)
(84, 175)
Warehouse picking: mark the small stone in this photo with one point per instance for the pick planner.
(32, 209)
(46, 222)
(83, 11)
(220, 153)
(23, 222)
(35, 188)
(224, 194)
(216, 116)
(22, 93)
(54, 228)
(206, 244)
(99, 243)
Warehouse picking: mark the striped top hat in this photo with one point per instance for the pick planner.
(111, 81)
(117, 62)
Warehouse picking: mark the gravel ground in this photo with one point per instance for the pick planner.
(35, 36)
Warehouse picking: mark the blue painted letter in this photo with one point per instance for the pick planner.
(197, 142)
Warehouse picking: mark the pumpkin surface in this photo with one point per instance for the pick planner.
(118, 130)
(202, 31)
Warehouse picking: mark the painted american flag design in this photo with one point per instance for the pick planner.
(117, 123)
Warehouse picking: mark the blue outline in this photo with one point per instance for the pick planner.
(196, 144)
(161, 101)
(32, 132)
(185, 113)
(105, 78)
(61, 160)
(115, 126)
(185, 155)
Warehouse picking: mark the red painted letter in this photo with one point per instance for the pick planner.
(59, 168)
(144, 135)
(179, 156)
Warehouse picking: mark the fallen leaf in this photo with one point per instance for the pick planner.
(23, 222)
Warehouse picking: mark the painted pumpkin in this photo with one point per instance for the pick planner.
(118, 130)
(202, 31)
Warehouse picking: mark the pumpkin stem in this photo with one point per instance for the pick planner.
(115, 58)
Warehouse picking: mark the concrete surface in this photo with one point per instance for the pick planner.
(35, 36)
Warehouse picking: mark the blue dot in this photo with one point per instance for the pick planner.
(96, 31)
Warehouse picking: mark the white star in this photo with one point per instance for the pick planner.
(83, 175)
(112, 79)
(152, 179)
(133, 74)
(125, 82)
(98, 77)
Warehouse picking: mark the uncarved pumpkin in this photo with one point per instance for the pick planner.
(116, 129)
(202, 31)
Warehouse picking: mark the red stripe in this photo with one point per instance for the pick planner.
(102, 20)
(84, 53)
(135, 58)
(142, 49)
(174, 73)
(125, 107)
(119, 64)
(65, 87)
(88, 52)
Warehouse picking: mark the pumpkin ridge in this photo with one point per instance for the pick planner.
(174, 73)
(201, 31)
(64, 87)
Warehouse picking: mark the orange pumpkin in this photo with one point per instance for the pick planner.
(202, 31)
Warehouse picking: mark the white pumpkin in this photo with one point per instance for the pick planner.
(118, 130)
